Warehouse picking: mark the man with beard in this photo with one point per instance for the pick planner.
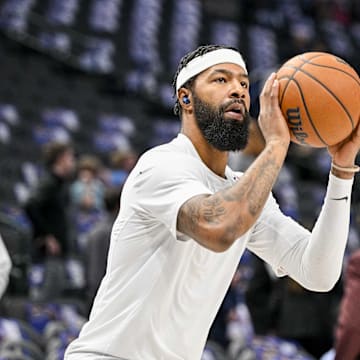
(186, 218)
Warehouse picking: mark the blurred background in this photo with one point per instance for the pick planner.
(97, 74)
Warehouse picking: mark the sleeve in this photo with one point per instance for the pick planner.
(162, 187)
(312, 259)
(5, 267)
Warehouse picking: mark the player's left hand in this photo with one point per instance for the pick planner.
(344, 153)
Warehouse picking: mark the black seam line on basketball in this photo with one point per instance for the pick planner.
(290, 77)
(337, 69)
(332, 93)
(316, 55)
(305, 61)
(286, 86)
(308, 114)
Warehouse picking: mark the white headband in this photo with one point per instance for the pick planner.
(203, 62)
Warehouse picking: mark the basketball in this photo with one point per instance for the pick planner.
(320, 98)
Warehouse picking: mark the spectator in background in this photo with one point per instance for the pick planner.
(120, 165)
(281, 307)
(48, 209)
(347, 335)
(87, 191)
(5, 267)
(98, 241)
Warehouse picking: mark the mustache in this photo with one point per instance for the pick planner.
(231, 102)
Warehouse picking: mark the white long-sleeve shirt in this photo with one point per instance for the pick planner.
(162, 289)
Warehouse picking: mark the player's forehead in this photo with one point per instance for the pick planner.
(205, 61)
(229, 69)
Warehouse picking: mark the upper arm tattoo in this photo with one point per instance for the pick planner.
(212, 209)
(202, 208)
(236, 207)
(189, 215)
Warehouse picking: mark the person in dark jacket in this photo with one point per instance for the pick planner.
(48, 209)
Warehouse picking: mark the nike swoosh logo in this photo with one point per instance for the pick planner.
(342, 198)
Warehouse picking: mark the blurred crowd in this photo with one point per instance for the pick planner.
(58, 231)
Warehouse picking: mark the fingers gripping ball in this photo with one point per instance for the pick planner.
(320, 98)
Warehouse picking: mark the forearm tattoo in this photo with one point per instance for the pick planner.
(261, 186)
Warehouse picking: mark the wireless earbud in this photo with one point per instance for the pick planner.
(186, 100)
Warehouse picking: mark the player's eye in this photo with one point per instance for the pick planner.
(220, 80)
(244, 84)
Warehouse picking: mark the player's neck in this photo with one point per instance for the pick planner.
(214, 159)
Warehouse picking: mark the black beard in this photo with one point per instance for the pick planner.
(223, 134)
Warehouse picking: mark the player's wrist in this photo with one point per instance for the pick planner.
(344, 172)
(349, 169)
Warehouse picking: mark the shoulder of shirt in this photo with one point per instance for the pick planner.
(174, 150)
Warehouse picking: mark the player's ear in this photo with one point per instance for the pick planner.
(184, 98)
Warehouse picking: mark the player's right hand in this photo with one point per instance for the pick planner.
(271, 120)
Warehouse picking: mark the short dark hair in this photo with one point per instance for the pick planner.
(89, 162)
(53, 150)
(201, 50)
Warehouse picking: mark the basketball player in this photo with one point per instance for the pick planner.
(186, 219)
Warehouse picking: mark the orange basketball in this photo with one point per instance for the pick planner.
(320, 98)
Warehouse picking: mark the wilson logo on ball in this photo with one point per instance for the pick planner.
(293, 118)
